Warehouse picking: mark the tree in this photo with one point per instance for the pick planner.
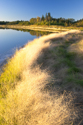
(33, 20)
(38, 19)
(71, 20)
(65, 24)
(42, 18)
(49, 17)
(46, 17)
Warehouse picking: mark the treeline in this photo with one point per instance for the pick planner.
(49, 20)
(15, 22)
(3, 22)
(79, 23)
(46, 20)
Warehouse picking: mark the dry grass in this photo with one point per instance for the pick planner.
(27, 79)
(27, 105)
(77, 47)
(51, 28)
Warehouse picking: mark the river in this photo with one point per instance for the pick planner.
(10, 40)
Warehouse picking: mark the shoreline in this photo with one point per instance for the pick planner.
(53, 29)
(5, 61)
(31, 27)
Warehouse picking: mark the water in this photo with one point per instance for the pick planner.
(12, 39)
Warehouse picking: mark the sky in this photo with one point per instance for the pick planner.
(12, 10)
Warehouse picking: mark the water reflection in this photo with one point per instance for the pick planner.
(12, 39)
(34, 32)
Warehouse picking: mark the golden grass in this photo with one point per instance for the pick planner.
(27, 105)
(77, 47)
(51, 28)
(27, 102)
(21, 61)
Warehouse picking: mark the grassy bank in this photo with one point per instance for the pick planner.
(37, 28)
(51, 28)
(43, 82)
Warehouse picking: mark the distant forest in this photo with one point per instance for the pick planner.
(46, 20)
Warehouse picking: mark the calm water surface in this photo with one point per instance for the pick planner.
(12, 39)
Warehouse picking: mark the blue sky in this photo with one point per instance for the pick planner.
(11, 10)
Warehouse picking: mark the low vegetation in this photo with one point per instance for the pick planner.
(43, 82)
